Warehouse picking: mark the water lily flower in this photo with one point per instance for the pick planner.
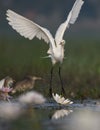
(5, 88)
(61, 100)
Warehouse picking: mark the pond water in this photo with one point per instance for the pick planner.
(51, 116)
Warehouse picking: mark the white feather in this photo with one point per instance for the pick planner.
(73, 14)
(27, 28)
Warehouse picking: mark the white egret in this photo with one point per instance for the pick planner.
(30, 29)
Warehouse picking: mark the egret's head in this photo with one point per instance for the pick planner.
(62, 42)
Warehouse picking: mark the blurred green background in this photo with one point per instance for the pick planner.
(81, 68)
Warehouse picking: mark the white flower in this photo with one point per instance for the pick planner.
(4, 90)
(61, 113)
(32, 97)
(61, 100)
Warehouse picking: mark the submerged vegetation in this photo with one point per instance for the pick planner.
(80, 71)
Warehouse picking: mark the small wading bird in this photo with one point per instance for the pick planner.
(30, 29)
(26, 84)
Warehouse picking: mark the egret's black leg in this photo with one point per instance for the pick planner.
(62, 87)
(50, 89)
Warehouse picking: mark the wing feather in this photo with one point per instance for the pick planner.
(27, 28)
(73, 14)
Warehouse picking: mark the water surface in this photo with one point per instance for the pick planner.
(51, 116)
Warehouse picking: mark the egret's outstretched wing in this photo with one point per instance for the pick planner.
(73, 14)
(2, 83)
(27, 28)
